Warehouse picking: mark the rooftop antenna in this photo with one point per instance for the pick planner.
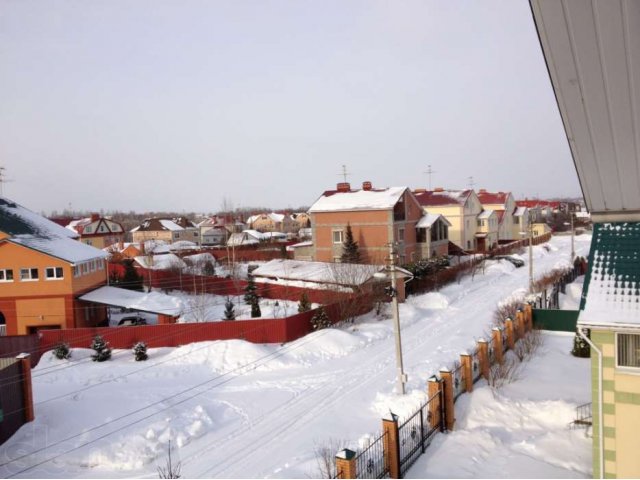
(429, 172)
(471, 182)
(344, 173)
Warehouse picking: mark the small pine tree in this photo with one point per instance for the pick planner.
(140, 351)
(250, 291)
(103, 352)
(229, 312)
(581, 348)
(350, 249)
(62, 351)
(255, 308)
(208, 268)
(304, 305)
(320, 320)
(131, 280)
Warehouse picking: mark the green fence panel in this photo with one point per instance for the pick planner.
(555, 320)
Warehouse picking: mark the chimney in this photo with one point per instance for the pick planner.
(344, 187)
(95, 217)
(366, 186)
(419, 190)
(438, 189)
(482, 190)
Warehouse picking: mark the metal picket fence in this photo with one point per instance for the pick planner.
(371, 462)
(416, 433)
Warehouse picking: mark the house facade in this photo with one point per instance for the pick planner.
(377, 217)
(167, 230)
(43, 271)
(488, 225)
(273, 222)
(460, 207)
(97, 231)
(504, 204)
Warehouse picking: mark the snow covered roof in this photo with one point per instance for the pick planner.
(519, 211)
(378, 199)
(492, 198)
(164, 224)
(485, 214)
(442, 197)
(31, 230)
(429, 219)
(274, 235)
(276, 217)
(612, 286)
(244, 238)
(153, 302)
(345, 274)
(201, 257)
(170, 225)
(160, 262)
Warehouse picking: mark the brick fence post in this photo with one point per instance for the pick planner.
(435, 406)
(496, 338)
(449, 412)
(465, 360)
(508, 326)
(391, 445)
(483, 358)
(520, 323)
(346, 464)
(528, 316)
(27, 390)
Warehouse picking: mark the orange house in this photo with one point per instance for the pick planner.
(377, 217)
(43, 271)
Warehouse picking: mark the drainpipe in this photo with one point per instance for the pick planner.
(601, 396)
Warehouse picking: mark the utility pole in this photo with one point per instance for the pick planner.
(402, 377)
(573, 234)
(429, 172)
(530, 256)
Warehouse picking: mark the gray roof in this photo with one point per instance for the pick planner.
(31, 230)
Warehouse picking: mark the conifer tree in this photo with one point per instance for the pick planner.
(580, 347)
(229, 312)
(103, 352)
(62, 351)
(250, 291)
(320, 320)
(140, 351)
(304, 305)
(350, 249)
(255, 308)
(131, 280)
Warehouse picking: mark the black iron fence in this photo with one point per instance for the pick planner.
(457, 377)
(476, 374)
(416, 432)
(371, 462)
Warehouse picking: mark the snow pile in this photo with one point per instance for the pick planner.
(570, 300)
(521, 430)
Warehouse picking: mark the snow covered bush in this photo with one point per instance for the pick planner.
(326, 456)
(502, 374)
(581, 348)
(103, 352)
(528, 345)
(62, 351)
(320, 320)
(305, 304)
(229, 312)
(140, 351)
(255, 308)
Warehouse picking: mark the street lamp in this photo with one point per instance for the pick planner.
(393, 292)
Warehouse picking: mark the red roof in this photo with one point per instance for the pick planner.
(432, 198)
(492, 198)
(537, 203)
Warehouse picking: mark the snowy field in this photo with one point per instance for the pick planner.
(235, 409)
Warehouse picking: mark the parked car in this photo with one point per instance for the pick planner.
(516, 261)
(132, 321)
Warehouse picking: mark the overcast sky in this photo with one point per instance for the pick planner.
(176, 105)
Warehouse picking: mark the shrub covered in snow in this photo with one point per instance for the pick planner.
(103, 352)
(580, 348)
(320, 320)
(62, 351)
(229, 312)
(140, 351)
(305, 304)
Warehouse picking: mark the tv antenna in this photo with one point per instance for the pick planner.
(344, 173)
(471, 182)
(3, 180)
(429, 172)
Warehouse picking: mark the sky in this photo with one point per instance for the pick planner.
(187, 105)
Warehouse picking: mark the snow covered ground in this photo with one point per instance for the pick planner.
(522, 429)
(235, 409)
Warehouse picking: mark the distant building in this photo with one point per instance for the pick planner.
(97, 231)
(273, 222)
(169, 230)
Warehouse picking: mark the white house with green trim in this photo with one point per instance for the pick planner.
(591, 51)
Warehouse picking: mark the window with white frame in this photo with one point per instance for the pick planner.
(337, 236)
(628, 354)
(54, 273)
(6, 275)
(28, 274)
